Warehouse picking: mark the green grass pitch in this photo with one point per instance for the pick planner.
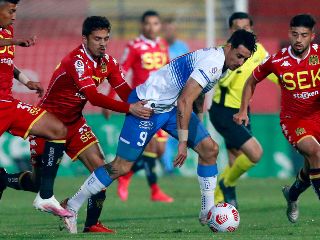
(262, 213)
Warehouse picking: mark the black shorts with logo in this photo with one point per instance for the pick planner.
(222, 119)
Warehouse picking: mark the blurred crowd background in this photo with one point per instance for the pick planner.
(198, 23)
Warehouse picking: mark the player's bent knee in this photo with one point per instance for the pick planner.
(208, 150)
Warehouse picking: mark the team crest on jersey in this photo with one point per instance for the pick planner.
(300, 131)
(79, 65)
(313, 60)
(103, 67)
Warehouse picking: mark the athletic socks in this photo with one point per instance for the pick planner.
(301, 183)
(21, 181)
(241, 165)
(94, 208)
(53, 152)
(97, 181)
(149, 165)
(207, 177)
(314, 175)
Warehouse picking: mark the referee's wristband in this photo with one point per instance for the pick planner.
(183, 135)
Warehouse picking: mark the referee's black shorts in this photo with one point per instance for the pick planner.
(222, 119)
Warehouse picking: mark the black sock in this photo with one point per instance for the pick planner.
(301, 184)
(314, 175)
(138, 165)
(149, 165)
(22, 181)
(94, 208)
(51, 157)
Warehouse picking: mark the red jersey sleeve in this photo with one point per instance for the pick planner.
(263, 70)
(80, 72)
(117, 81)
(128, 58)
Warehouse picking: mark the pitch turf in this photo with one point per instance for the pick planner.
(262, 212)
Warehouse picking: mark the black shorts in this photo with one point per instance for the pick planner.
(222, 119)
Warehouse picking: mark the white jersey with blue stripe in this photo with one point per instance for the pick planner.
(164, 86)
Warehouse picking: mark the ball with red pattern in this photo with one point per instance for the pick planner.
(223, 218)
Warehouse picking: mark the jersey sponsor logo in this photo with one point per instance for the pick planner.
(305, 95)
(79, 65)
(313, 60)
(7, 61)
(213, 70)
(303, 79)
(300, 131)
(285, 64)
(146, 125)
(153, 60)
(7, 49)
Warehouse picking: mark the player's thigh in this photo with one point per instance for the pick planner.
(49, 127)
(252, 149)
(92, 157)
(136, 133)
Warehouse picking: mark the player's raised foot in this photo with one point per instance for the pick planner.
(157, 195)
(203, 218)
(69, 223)
(123, 185)
(229, 194)
(3, 184)
(292, 206)
(98, 228)
(51, 205)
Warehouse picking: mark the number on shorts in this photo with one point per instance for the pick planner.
(143, 138)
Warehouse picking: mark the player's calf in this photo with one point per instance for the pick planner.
(207, 175)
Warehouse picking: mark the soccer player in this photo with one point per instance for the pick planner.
(144, 55)
(21, 119)
(170, 92)
(73, 84)
(244, 150)
(297, 67)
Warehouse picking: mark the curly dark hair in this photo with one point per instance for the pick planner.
(303, 20)
(94, 23)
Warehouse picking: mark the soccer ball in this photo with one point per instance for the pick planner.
(223, 218)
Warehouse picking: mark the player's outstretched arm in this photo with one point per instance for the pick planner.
(185, 102)
(247, 93)
(100, 100)
(21, 77)
(28, 42)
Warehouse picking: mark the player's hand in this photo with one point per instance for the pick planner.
(241, 118)
(35, 86)
(137, 109)
(182, 154)
(28, 42)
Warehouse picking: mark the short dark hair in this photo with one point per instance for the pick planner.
(149, 13)
(245, 38)
(10, 1)
(303, 20)
(94, 23)
(239, 15)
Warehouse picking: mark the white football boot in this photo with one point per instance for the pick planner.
(70, 223)
(51, 205)
(292, 206)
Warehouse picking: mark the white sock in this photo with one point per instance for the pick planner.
(207, 186)
(90, 187)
